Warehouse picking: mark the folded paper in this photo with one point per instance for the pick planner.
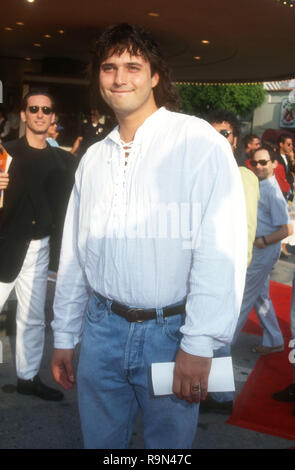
(221, 377)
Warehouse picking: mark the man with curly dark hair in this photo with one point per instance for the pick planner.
(156, 214)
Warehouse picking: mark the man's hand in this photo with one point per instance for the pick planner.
(76, 145)
(190, 372)
(259, 243)
(62, 367)
(4, 180)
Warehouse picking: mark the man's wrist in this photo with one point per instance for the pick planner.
(264, 240)
(64, 340)
(203, 347)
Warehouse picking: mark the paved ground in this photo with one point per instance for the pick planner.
(30, 423)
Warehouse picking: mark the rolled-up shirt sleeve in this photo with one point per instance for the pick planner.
(71, 295)
(219, 261)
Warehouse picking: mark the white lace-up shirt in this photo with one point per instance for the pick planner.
(169, 224)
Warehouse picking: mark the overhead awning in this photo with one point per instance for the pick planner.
(204, 40)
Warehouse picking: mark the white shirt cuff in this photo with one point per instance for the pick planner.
(65, 340)
(198, 346)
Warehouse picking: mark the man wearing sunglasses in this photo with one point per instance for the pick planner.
(273, 225)
(35, 198)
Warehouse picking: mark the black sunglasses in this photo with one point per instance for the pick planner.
(35, 109)
(261, 162)
(225, 133)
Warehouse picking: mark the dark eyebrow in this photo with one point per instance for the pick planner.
(138, 64)
(134, 63)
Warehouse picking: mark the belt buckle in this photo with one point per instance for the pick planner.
(133, 312)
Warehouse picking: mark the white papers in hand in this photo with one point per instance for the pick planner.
(221, 377)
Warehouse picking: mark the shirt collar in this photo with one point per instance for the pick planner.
(267, 181)
(150, 122)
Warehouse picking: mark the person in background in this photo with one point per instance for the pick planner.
(36, 190)
(285, 145)
(273, 225)
(53, 132)
(251, 142)
(281, 178)
(92, 131)
(4, 126)
(13, 119)
(147, 297)
(291, 156)
(227, 124)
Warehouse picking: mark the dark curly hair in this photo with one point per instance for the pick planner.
(125, 37)
(269, 149)
(223, 115)
(283, 137)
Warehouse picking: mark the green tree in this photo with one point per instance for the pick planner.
(238, 98)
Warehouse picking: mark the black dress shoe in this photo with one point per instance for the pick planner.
(37, 388)
(286, 395)
(221, 407)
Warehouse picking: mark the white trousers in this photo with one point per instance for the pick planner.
(256, 294)
(30, 288)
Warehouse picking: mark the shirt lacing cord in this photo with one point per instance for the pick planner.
(127, 147)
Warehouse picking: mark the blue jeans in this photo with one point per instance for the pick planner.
(114, 381)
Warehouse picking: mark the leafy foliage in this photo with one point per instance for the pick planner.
(238, 98)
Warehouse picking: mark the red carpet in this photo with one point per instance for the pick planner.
(281, 298)
(254, 408)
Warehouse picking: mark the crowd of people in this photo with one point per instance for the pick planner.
(128, 294)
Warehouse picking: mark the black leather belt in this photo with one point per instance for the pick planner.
(141, 314)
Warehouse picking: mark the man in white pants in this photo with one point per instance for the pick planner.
(35, 189)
